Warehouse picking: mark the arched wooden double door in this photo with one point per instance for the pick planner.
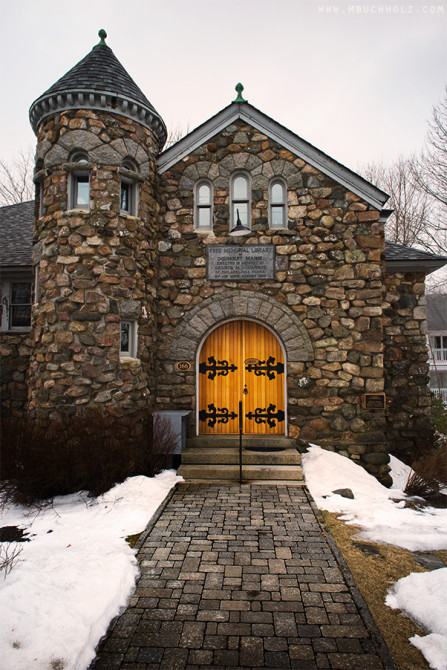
(241, 361)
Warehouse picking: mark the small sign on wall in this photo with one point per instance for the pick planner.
(373, 400)
(183, 366)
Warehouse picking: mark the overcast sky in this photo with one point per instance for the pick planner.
(356, 79)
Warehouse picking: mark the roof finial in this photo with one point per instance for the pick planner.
(102, 34)
(239, 88)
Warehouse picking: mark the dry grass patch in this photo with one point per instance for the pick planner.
(374, 574)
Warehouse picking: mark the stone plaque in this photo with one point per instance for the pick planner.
(241, 263)
(373, 400)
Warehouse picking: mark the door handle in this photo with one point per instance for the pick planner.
(245, 391)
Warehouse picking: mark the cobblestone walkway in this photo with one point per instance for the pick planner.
(241, 577)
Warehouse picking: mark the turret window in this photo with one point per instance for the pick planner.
(128, 346)
(80, 183)
(203, 206)
(278, 202)
(128, 189)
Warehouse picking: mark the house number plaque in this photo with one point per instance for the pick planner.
(183, 366)
(250, 262)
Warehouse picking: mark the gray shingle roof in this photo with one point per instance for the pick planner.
(16, 234)
(103, 83)
(407, 259)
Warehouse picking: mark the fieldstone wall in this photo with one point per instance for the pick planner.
(329, 283)
(96, 266)
(15, 351)
(409, 427)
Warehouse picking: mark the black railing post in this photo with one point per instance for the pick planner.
(240, 441)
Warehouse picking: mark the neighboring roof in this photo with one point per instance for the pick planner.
(277, 132)
(16, 242)
(407, 259)
(437, 312)
(16, 234)
(99, 81)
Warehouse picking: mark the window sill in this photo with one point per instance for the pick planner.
(16, 331)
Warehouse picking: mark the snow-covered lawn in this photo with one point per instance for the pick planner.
(74, 575)
(381, 515)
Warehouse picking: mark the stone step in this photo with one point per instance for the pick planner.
(247, 440)
(249, 472)
(230, 456)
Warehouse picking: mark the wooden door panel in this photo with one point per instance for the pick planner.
(236, 356)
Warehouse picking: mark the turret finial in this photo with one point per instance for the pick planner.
(239, 88)
(102, 34)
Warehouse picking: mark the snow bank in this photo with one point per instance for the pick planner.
(380, 512)
(423, 597)
(74, 575)
(381, 515)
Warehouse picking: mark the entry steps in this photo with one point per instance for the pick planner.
(264, 459)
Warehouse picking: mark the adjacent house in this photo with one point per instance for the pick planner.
(437, 338)
(239, 277)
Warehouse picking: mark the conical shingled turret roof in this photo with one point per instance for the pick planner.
(99, 81)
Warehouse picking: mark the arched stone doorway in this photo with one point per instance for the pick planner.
(241, 361)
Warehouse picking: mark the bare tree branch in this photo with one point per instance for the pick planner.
(16, 178)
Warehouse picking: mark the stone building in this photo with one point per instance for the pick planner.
(240, 265)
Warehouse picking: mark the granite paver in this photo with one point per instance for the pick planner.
(242, 577)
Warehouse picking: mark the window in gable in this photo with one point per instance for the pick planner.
(278, 204)
(203, 219)
(240, 200)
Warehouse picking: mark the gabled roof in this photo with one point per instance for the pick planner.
(16, 234)
(408, 259)
(277, 132)
(98, 81)
(437, 312)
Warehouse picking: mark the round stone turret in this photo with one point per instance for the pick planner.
(99, 82)
(95, 242)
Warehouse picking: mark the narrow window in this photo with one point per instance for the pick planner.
(128, 346)
(80, 184)
(240, 202)
(36, 284)
(278, 208)
(128, 190)
(204, 206)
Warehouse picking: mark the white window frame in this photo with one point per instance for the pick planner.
(233, 201)
(198, 206)
(282, 203)
(6, 285)
(74, 189)
(132, 350)
(78, 158)
(132, 196)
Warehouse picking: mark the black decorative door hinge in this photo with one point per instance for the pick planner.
(261, 415)
(214, 367)
(268, 368)
(219, 415)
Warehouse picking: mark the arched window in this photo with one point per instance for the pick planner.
(203, 219)
(240, 200)
(278, 204)
(128, 189)
(80, 182)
